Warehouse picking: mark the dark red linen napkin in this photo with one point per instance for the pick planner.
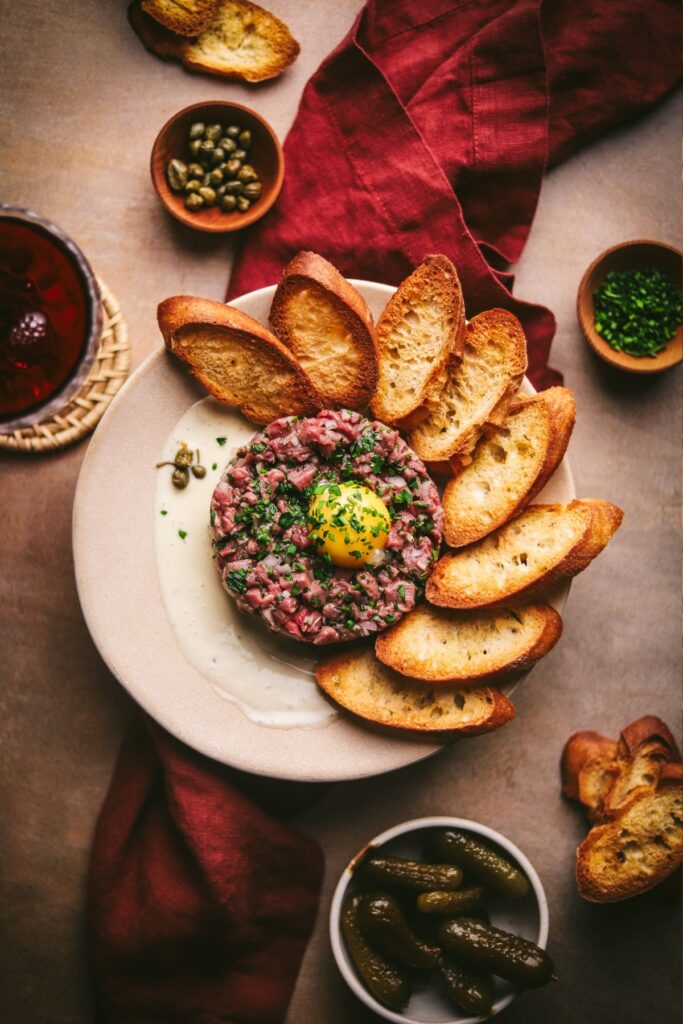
(431, 125)
(200, 904)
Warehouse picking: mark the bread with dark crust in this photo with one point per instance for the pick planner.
(237, 360)
(328, 326)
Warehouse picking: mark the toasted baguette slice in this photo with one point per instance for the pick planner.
(644, 747)
(236, 359)
(242, 41)
(641, 847)
(185, 17)
(586, 767)
(476, 391)
(528, 556)
(328, 326)
(423, 323)
(509, 467)
(443, 646)
(361, 684)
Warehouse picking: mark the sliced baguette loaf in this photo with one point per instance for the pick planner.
(185, 17)
(473, 392)
(509, 467)
(543, 546)
(358, 682)
(443, 646)
(639, 848)
(236, 359)
(328, 326)
(422, 325)
(242, 41)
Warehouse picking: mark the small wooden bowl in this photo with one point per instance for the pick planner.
(629, 256)
(265, 155)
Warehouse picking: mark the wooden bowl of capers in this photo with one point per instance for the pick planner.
(217, 166)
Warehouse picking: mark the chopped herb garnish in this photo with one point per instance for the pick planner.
(182, 534)
(237, 580)
(164, 512)
(221, 440)
(214, 465)
(638, 311)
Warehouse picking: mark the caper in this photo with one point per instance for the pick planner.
(228, 144)
(233, 131)
(208, 195)
(206, 179)
(218, 156)
(240, 154)
(220, 191)
(199, 472)
(244, 139)
(213, 132)
(206, 148)
(215, 177)
(180, 478)
(176, 175)
(195, 170)
(233, 186)
(195, 147)
(197, 130)
(183, 457)
(243, 204)
(227, 203)
(233, 166)
(247, 173)
(193, 185)
(194, 201)
(252, 190)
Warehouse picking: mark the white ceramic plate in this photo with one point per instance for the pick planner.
(115, 515)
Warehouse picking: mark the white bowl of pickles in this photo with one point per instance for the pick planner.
(440, 921)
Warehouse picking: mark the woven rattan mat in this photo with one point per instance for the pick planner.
(84, 411)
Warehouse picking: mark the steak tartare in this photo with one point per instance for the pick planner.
(265, 545)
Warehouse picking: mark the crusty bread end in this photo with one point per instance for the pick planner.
(184, 17)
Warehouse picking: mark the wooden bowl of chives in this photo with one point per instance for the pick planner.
(636, 255)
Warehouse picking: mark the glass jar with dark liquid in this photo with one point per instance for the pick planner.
(50, 318)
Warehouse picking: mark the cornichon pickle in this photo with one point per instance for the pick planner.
(461, 902)
(411, 874)
(508, 956)
(481, 861)
(470, 990)
(383, 923)
(384, 980)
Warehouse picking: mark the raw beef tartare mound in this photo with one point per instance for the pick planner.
(306, 499)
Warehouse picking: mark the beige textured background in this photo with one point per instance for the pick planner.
(80, 104)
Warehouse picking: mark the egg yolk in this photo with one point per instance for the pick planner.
(348, 522)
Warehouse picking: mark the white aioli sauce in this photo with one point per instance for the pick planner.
(269, 677)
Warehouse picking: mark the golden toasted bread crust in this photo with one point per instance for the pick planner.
(482, 384)
(607, 870)
(179, 314)
(403, 646)
(436, 277)
(582, 749)
(548, 420)
(186, 18)
(217, 49)
(390, 701)
(306, 271)
(594, 522)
